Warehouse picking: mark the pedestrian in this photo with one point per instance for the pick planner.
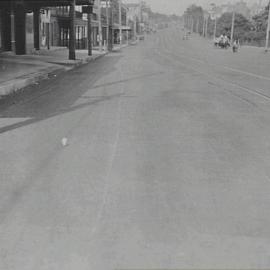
(235, 46)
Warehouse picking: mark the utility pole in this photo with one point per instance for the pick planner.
(120, 22)
(206, 26)
(111, 25)
(268, 29)
(89, 33)
(232, 28)
(135, 27)
(19, 25)
(72, 54)
(203, 31)
(185, 19)
(48, 35)
(36, 22)
(215, 27)
(107, 22)
(99, 27)
(213, 15)
(127, 24)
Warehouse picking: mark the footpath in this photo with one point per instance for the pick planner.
(17, 72)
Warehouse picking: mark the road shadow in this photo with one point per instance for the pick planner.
(57, 95)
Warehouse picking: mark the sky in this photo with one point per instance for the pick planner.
(179, 6)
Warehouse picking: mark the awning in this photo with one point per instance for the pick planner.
(45, 3)
(123, 27)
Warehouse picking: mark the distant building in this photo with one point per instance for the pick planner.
(124, 25)
(134, 16)
(24, 24)
(139, 17)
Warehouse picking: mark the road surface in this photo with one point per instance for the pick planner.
(167, 163)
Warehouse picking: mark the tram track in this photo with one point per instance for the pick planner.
(172, 56)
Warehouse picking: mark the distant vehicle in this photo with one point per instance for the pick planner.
(221, 43)
(141, 37)
(185, 37)
(133, 42)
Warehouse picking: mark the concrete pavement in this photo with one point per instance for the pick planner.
(167, 163)
(17, 72)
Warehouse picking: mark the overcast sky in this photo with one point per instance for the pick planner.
(179, 6)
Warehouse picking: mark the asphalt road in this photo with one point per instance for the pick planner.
(167, 164)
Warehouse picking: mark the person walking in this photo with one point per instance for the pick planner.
(235, 46)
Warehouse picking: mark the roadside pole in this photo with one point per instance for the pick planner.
(111, 25)
(268, 30)
(206, 26)
(72, 54)
(203, 31)
(120, 22)
(232, 28)
(135, 27)
(213, 16)
(215, 28)
(36, 22)
(89, 33)
(127, 25)
(107, 22)
(48, 35)
(99, 27)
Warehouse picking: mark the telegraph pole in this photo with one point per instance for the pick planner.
(107, 22)
(120, 22)
(72, 54)
(206, 26)
(48, 35)
(215, 27)
(111, 25)
(213, 15)
(268, 29)
(99, 27)
(89, 33)
(197, 26)
(127, 24)
(36, 19)
(232, 28)
(135, 27)
(203, 33)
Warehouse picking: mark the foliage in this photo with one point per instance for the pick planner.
(241, 27)
(260, 20)
(249, 31)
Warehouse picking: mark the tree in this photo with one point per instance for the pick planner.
(242, 25)
(260, 20)
(259, 26)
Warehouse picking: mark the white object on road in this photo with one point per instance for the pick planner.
(64, 141)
